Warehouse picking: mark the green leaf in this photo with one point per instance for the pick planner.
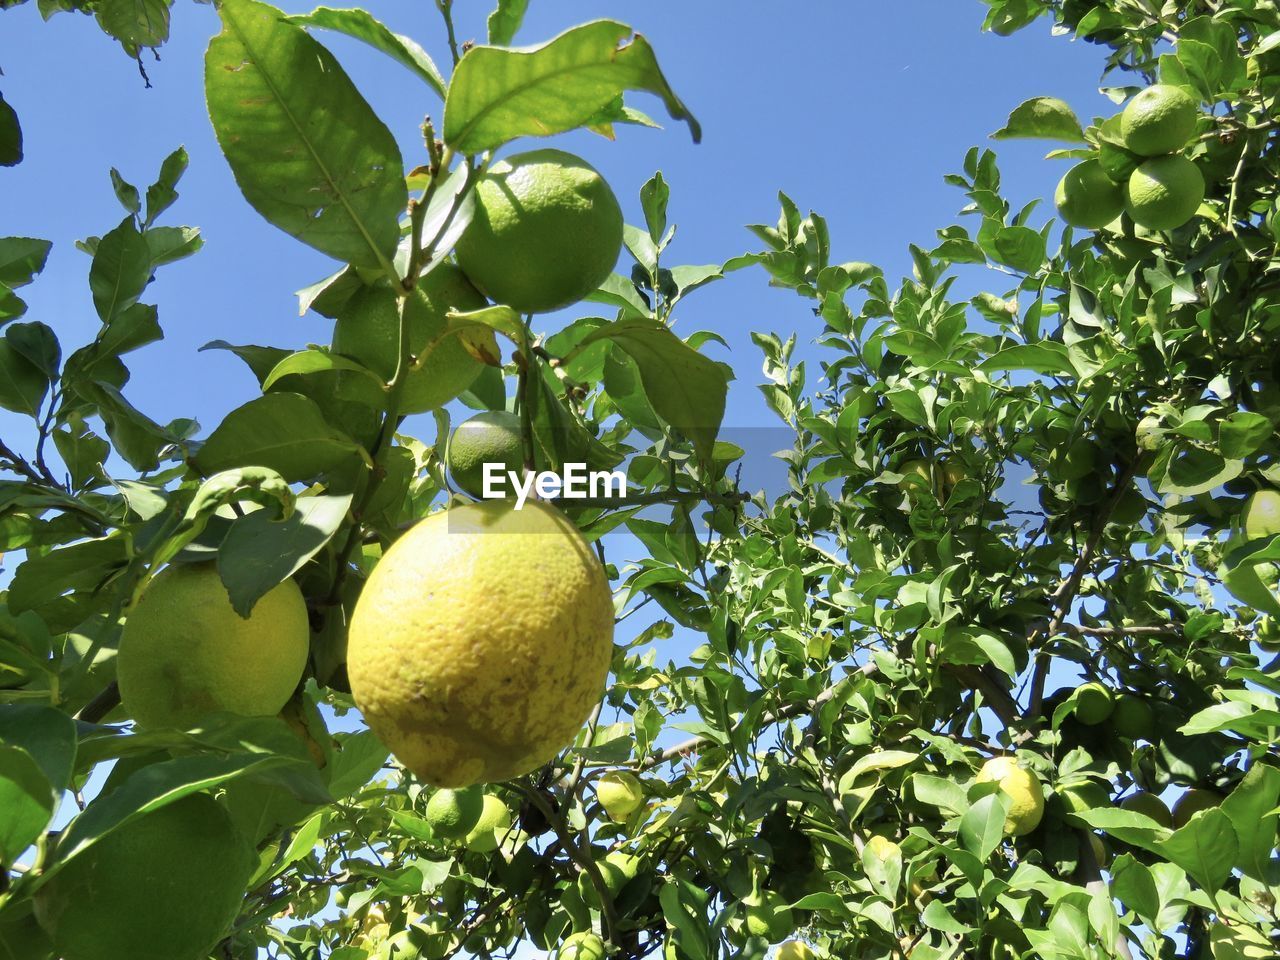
(1020, 248)
(360, 757)
(1244, 583)
(260, 360)
(1189, 471)
(126, 192)
(1125, 825)
(1042, 118)
(48, 735)
(120, 271)
(1044, 357)
(1206, 848)
(497, 95)
(684, 387)
(283, 431)
(1132, 883)
(38, 343)
(940, 792)
(1243, 434)
(653, 199)
(27, 799)
(84, 566)
(362, 25)
(10, 136)
(22, 385)
(162, 193)
(982, 826)
(21, 258)
(505, 20)
(880, 760)
(305, 147)
(260, 551)
(316, 361)
(135, 23)
(1251, 809)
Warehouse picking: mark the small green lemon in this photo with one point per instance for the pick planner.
(1093, 703)
(1261, 517)
(1149, 805)
(766, 914)
(368, 330)
(481, 641)
(489, 437)
(1023, 789)
(1164, 193)
(1133, 717)
(1086, 197)
(546, 231)
(616, 870)
(1082, 796)
(454, 813)
(491, 826)
(1160, 119)
(1191, 803)
(795, 950)
(581, 946)
(916, 475)
(620, 793)
(165, 886)
(186, 653)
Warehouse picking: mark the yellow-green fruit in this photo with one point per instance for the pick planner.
(1093, 703)
(165, 886)
(546, 231)
(620, 793)
(1022, 787)
(581, 946)
(1149, 805)
(454, 813)
(1133, 717)
(616, 870)
(493, 825)
(1261, 516)
(481, 642)
(916, 475)
(1086, 197)
(1164, 193)
(795, 950)
(766, 914)
(490, 437)
(1160, 119)
(1080, 797)
(186, 653)
(1191, 803)
(368, 330)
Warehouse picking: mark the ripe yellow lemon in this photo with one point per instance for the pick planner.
(368, 330)
(165, 886)
(1164, 193)
(1086, 197)
(620, 793)
(581, 946)
(1149, 805)
(186, 653)
(546, 231)
(481, 642)
(1023, 789)
(454, 813)
(491, 828)
(490, 437)
(1160, 119)
(796, 950)
(1261, 516)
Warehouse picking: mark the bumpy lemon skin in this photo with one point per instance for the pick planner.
(481, 642)
(1026, 795)
(186, 653)
(1087, 198)
(1158, 120)
(1164, 193)
(489, 437)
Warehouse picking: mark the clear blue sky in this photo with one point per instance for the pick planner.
(855, 109)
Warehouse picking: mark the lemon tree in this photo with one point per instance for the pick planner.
(492, 437)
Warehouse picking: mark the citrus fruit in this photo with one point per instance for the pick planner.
(1149, 805)
(368, 330)
(581, 946)
(620, 793)
(616, 870)
(1082, 796)
(492, 826)
(1093, 703)
(1023, 789)
(795, 950)
(766, 914)
(186, 653)
(164, 886)
(490, 437)
(916, 475)
(1164, 193)
(481, 642)
(1160, 119)
(1191, 803)
(1133, 717)
(1086, 197)
(1261, 517)
(454, 813)
(546, 231)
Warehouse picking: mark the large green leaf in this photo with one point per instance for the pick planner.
(22, 385)
(1042, 118)
(27, 799)
(283, 431)
(505, 20)
(499, 94)
(21, 258)
(48, 735)
(306, 148)
(135, 23)
(1206, 848)
(121, 270)
(362, 25)
(1251, 810)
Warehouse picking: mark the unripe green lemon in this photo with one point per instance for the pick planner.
(616, 870)
(1086, 795)
(1093, 703)
(1160, 119)
(1022, 787)
(481, 641)
(546, 231)
(1191, 803)
(766, 914)
(1261, 516)
(1086, 197)
(491, 827)
(165, 886)
(1164, 193)
(620, 793)
(368, 330)
(1133, 717)
(489, 437)
(454, 813)
(796, 950)
(581, 946)
(916, 475)
(1149, 805)
(186, 653)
